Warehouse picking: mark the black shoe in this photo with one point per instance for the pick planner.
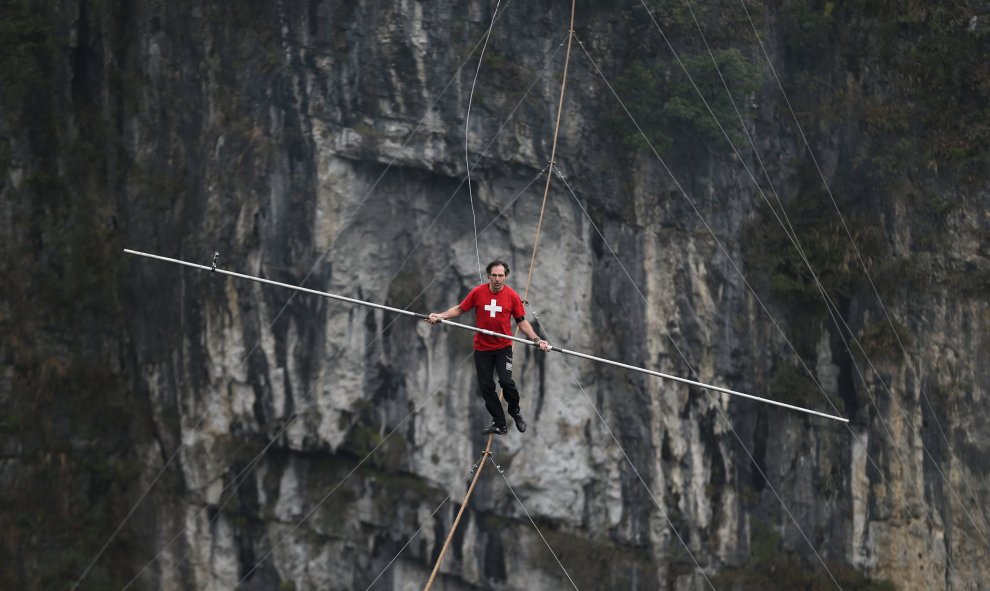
(496, 429)
(520, 422)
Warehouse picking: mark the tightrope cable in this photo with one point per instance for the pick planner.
(236, 483)
(319, 503)
(288, 422)
(553, 151)
(312, 269)
(460, 512)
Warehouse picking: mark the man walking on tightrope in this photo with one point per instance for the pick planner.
(494, 304)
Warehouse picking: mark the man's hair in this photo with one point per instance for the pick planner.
(495, 263)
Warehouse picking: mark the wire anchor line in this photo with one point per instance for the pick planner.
(490, 333)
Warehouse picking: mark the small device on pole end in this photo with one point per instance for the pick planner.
(216, 257)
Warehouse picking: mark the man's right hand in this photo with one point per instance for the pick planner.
(433, 318)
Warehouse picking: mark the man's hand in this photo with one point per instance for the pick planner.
(433, 318)
(543, 345)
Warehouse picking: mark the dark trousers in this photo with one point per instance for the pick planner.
(487, 363)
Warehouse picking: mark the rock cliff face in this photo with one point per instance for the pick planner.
(267, 440)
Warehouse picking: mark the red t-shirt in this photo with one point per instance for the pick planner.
(492, 311)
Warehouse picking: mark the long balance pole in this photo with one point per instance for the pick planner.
(214, 269)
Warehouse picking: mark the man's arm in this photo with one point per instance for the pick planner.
(527, 329)
(454, 312)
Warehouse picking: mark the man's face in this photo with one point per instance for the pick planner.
(496, 277)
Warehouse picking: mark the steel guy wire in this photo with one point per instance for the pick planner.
(694, 207)
(792, 235)
(413, 537)
(828, 191)
(530, 518)
(727, 423)
(477, 160)
(785, 224)
(608, 245)
(467, 135)
(707, 226)
(639, 476)
(622, 450)
(773, 489)
(704, 222)
(859, 255)
(711, 395)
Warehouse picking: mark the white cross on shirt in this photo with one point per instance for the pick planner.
(493, 308)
